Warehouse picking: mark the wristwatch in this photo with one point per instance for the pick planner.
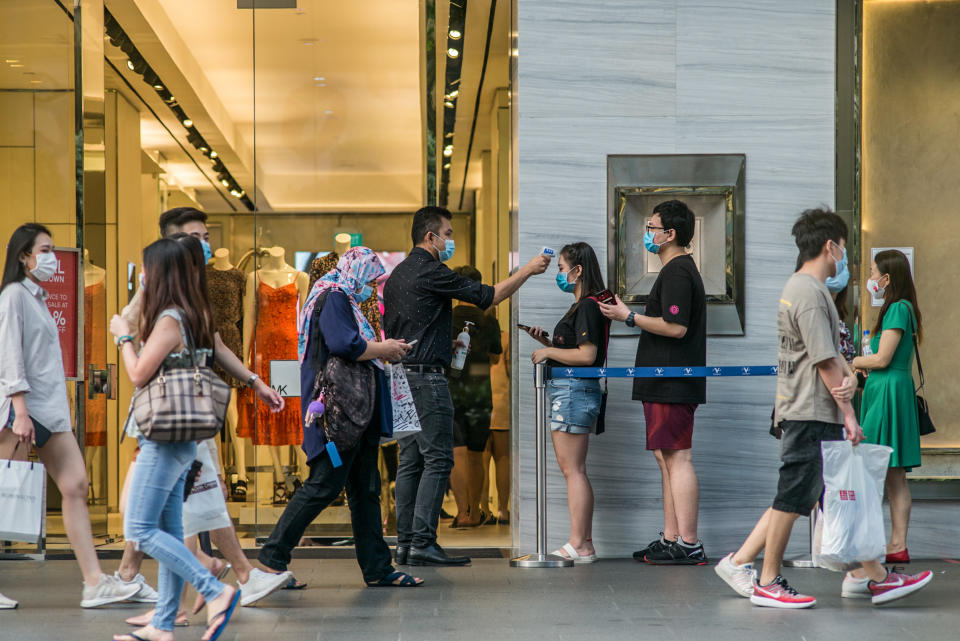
(253, 379)
(630, 322)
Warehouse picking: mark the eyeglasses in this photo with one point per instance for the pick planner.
(652, 228)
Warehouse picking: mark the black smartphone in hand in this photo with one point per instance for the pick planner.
(606, 297)
(527, 328)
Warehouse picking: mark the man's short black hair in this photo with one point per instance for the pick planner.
(814, 228)
(428, 219)
(675, 215)
(469, 271)
(179, 216)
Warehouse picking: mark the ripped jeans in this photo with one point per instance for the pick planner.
(154, 521)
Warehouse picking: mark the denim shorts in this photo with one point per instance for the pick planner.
(574, 404)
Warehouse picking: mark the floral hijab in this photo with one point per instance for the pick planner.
(354, 271)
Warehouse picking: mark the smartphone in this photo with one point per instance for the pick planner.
(606, 297)
(413, 342)
(527, 328)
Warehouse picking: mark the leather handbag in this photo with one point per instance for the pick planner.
(923, 410)
(182, 404)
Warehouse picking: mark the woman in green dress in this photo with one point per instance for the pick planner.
(888, 411)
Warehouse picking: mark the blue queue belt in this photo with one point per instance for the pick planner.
(662, 372)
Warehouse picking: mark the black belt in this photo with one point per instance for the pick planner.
(423, 369)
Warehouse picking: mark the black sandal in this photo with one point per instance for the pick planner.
(238, 490)
(280, 494)
(293, 584)
(390, 581)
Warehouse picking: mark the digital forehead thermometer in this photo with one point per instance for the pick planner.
(549, 252)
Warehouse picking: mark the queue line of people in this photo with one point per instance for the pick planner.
(175, 319)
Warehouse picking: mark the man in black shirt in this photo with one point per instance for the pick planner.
(674, 334)
(417, 301)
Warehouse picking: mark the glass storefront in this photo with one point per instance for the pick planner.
(301, 129)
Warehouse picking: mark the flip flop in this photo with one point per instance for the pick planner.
(571, 553)
(226, 614)
(293, 584)
(389, 581)
(135, 637)
(200, 601)
(182, 621)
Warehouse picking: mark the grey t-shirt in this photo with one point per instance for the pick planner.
(808, 330)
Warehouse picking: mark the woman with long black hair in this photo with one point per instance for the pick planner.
(579, 340)
(176, 325)
(34, 409)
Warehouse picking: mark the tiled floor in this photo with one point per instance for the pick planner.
(490, 601)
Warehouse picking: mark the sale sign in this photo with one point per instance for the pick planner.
(64, 304)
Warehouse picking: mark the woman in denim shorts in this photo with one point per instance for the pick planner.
(579, 340)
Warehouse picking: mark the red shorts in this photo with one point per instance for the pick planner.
(669, 425)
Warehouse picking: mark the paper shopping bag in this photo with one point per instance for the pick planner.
(22, 500)
(406, 421)
(205, 509)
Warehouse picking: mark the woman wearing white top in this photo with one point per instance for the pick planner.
(33, 399)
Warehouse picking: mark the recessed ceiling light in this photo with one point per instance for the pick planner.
(130, 65)
(11, 60)
(320, 84)
(309, 41)
(448, 151)
(36, 82)
(455, 34)
(319, 79)
(453, 94)
(453, 53)
(446, 166)
(448, 105)
(16, 65)
(213, 154)
(187, 122)
(158, 87)
(225, 182)
(329, 112)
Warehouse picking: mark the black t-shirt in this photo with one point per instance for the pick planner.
(584, 325)
(678, 297)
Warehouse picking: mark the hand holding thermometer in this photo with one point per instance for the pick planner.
(549, 252)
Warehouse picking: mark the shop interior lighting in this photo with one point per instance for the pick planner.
(453, 52)
(11, 61)
(448, 105)
(448, 151)
(455, 34)
(138, 64)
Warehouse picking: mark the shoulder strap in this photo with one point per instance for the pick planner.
(606, 346)
(184, 333)
(916, 349)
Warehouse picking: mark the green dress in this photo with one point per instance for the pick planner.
(888, 411)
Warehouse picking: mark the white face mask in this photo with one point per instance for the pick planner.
(47, 265)
(873, 286)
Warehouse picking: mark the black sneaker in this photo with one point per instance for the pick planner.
(652, 546)
(675, 554)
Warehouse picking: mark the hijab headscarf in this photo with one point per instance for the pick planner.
(354, 271)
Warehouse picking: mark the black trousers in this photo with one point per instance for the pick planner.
(361, 477)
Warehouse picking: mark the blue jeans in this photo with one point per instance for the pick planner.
(426, 458)
(154, 522)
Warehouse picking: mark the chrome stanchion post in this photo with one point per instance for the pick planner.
(540, 559)
(806, 563)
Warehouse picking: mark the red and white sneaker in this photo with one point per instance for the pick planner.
(779, 594)
(896, 586)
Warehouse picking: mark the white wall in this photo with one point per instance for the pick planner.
(663, 77)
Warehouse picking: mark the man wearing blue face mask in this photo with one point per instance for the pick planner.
(417, 300)
(674, 335)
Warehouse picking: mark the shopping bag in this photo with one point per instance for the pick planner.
(850, 527)
(205, 508)
(23, 495)
(406, 421)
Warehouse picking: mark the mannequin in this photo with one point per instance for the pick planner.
(226, 284)
(274, 295)
(95, 351)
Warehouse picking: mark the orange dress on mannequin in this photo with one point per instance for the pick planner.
(275, 340)
(95, 351)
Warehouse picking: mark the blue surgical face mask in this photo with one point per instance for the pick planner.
(446, 253)
(651, 246)
(364, 293)
(565, 286)
(838, 282)
(207, 252)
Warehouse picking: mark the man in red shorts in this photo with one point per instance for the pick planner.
(674, 334)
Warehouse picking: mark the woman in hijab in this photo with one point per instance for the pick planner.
(332, 323)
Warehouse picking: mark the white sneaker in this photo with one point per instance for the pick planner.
(145, 593)
(6, 603)
(261, 584)
(853, 588)
(738, 577)
(109, 590)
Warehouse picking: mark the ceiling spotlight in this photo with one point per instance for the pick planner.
(187, 122)
(130, 65)
(36, 82)
(16, 65)
(318, 79)
(449, 134)
(448, 151)
(213, 154)
(453, 53)
(453, 94)
(446, 166)
(448, 105)
(320, 84)
(236, 192)
(225, 182)
(11, 61)
(455, 34)
(158, 86)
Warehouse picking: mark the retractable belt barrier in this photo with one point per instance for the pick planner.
(540, 559)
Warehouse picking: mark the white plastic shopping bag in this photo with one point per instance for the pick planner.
(850, 528)
(205, 508)
(22, 500)
(406, 421)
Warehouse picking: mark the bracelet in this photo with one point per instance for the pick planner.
(253, 379)
(121, 340)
